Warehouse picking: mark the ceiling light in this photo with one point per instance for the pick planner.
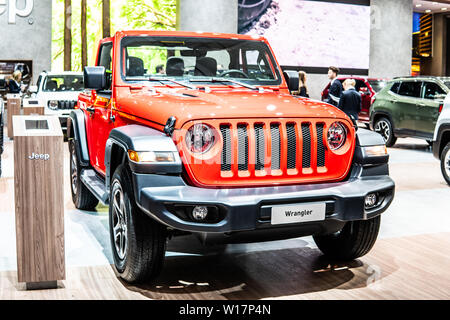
(428, 11)
(418, 5)
(443, 9)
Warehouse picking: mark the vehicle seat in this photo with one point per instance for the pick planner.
(206, 66)
(175, 67)
(52, 85)
(135, 67)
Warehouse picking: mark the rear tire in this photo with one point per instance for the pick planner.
(445, 163)
(81, 196)
(383, 126)
(355, 240)
(138, 242)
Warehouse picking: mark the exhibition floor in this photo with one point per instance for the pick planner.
(409, 261)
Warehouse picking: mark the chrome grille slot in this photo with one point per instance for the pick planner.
(306, 137)
(276, 146)
(320, 145)
(260, 149)
(226, 150)
(292, 146)
(242, 147)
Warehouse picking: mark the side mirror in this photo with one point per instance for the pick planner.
(95, 78)
(292, 80)
(33, 89)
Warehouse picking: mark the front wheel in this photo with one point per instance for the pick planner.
(81, 196)
(445, 163)
(138, 242)
(353, 241)
(384, 127)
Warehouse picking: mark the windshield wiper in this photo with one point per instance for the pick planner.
(161, 80)
(242, 84)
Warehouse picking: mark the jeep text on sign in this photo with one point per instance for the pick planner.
(13, 10)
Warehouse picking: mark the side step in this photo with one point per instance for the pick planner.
(95, 184)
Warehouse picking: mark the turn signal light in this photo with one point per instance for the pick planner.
(440, 108)
(376, 151)
(150, 156)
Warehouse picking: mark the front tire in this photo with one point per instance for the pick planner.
(81, 196)
(445, 163)
(383, 126)
(355, 240)
(138, 242)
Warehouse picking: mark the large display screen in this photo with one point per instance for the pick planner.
(310, 33)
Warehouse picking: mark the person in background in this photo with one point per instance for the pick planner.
(160, 69)
(335, 90)
(350, 101)
(14, 83)
(302, 88)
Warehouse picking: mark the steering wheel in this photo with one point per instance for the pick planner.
(231, 71)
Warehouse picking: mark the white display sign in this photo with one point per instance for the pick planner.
(10, 6)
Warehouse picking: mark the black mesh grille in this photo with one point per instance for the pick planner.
(292, 146)
(260, 147)
(66, 104)
(242, 147)
(320, 146)
(306, 157)
(226, 151)
(276, 146)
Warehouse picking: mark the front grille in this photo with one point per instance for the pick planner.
(268, 152)
(66, 104)
(298, 140)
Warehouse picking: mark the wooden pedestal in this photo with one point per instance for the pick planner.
(39, 199)
(32, 107)
(13, 104)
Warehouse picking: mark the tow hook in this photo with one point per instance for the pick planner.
(170, 126)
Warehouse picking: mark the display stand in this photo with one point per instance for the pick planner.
(39, 200)
(33, 107)
(13, 104)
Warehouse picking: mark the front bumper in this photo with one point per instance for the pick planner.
(249, 209)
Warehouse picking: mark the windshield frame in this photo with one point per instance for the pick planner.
(124, 42)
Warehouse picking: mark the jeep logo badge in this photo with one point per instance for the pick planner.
(35, 156)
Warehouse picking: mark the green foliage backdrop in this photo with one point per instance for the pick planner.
(125, 15)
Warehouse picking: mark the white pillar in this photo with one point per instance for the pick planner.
(390, 38)
(207, 15)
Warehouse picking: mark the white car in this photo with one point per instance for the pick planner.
(59, 92)
(441, 139)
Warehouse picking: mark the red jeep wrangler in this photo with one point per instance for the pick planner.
(216, 146)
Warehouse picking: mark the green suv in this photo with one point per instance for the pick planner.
(408, 107)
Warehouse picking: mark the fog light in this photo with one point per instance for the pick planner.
(199, 213)
(370, 201)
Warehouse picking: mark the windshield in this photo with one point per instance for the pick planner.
(377, 85)
(447, 83)
(194, 59)
(64, 83)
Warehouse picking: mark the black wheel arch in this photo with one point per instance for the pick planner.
(380, 114)
(76, 130)
(443, 137)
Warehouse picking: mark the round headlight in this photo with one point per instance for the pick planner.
(53, 104)
(337, 135)
(199, 138)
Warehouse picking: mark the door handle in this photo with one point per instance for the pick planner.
(394, 101)
(91, 110)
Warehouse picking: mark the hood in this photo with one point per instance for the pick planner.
(185, 105)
